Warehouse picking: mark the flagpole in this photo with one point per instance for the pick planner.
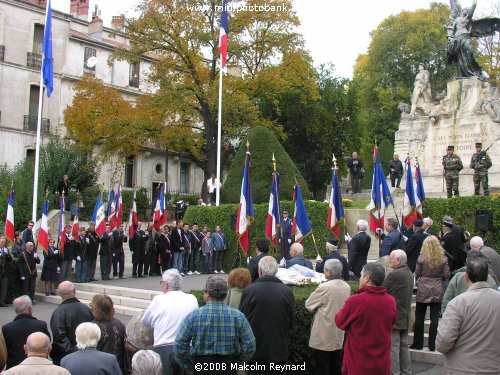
(219, 134)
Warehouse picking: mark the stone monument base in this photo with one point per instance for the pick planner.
(468, 114)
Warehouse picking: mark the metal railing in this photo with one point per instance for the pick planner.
(34, 60)
(30, 124)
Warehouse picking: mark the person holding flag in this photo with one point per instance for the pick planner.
(9, 219)
(50, 267)
(5, 260)
(273, 222)
(245, 210)
(409, 202)
(380, 197)
(301, 227)
(66, 252)
(335, 209)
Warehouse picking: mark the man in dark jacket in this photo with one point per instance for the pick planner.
(63, 187)
(106, 253)
(28, 232)
(137, 245)
(427, 227)
(92, 250)
(81, 257)
(177, 246)
(27, 269)
(267, 297)
(5, 260)
(396, 170)
(118, 254)
(286, 229)
(65, 318)
(358, 248)
(393, 240)
(452, 242)
(414, 244)
(399, 284)
(297, 257)
(16, 332)
(355, 166)
(261, 249)
(331, 253)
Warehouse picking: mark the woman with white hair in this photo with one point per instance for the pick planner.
(146, 362)
(87, 360)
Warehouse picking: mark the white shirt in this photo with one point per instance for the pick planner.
(212, 185)
(166, 313)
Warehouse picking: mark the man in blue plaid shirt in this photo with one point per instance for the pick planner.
(220, 336)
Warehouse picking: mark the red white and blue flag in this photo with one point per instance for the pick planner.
(245, 210)
(301, 227)
(133, 220)
(420, 193)
(43, 235)
(99, 217)
(409, 201)
(111, 207)
(76, 226)
(380, 197)
(159, 211)
(274, 213)
(335, 209)
(61, 235)
(115, 218)
(9, 220)
(224, 31)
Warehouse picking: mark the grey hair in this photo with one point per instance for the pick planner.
(87, 335)
(428, 221)
(22, 305)
(38, 342)
(400, 255)
(362, 225)
(66, 290)
(268, 265)
(393, 223)
(330, 247)
(476, 243)
(146, 362)
(334, 266)
(375, 271)
(30, 244)
(298, 248)
(173, 278)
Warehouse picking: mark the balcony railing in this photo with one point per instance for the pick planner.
(30, 123)
(2, 52)
(34, 60)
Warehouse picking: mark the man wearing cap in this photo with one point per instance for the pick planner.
(67, 253)
(414, 244)
(214, 334)
(92, 250)
(261, 249)
(331, 247)
(452, 165)
(452, 244)
(286, 226)
(480, 162)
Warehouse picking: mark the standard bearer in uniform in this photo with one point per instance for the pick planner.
(480, 162)
(452, 165)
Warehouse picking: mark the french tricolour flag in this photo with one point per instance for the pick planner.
(224, 31)
(245, 210)
(43, 235)
(420, 193)
(381, 196)
(335, 209)
(111, 208)
(76, 226)
(116, 209)
(99, 217)
(133, 220)
(409, 202)
(301, 227)
(273, 213)
(9, 220)
(61, 235)
(159, 211)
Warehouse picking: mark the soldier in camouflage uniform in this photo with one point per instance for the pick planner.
(452, 165)
(480, 166)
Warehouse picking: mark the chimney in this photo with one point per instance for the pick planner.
(118, 22)
(96, 25)
(79, 9)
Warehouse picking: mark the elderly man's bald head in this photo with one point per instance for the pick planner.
(66, 290)
(37, 343)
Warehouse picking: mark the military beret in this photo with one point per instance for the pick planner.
(333, 241)
(479, 144)
(450, 148)
(418, 223)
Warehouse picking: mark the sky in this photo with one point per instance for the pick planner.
(334, 31)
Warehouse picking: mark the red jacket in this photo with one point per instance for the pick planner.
(368, 318)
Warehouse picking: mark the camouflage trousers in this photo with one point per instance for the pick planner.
(452, 185)
(481, 179)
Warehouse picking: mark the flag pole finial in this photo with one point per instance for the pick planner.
(248, 144)
(334, 161)
(274, 163)
(46, 192)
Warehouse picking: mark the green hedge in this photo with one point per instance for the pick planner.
(463, 212)
(299, 341)
(14, 289)
(212, 216)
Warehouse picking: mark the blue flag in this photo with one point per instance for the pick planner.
(48, 61)
(301, 227)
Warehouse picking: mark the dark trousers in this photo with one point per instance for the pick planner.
(118, 265)
(165, 262)
(418, 338)
(207, 262)
(91, 265)
(66, 270)
(213, 197)
(218, 255)
(328, 363)
(149, 262)
(214, 364)
(29, 285)
(185, 261)
(355, 183)
(106, 260)
(3, 289)
(192, 261)
(394, 178)
(155, 262)
(170, 367)
(137, 264)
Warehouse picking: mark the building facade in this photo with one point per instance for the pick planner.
(79, 47)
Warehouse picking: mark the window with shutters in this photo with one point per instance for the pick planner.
(89, 52)
(134, 74)
(184, 177)
(129, 172)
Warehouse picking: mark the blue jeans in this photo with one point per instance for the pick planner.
(207, 262)
(177, 261)
(81, 271)
(185, 261)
